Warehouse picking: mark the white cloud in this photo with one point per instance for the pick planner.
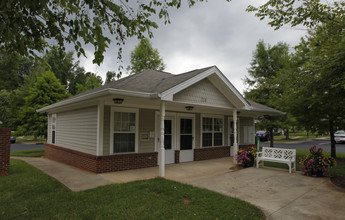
(210, 33)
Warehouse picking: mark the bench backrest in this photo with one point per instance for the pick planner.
(278, 153)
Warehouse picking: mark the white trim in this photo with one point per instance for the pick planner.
(168, 94)
(162, 149)
(201, 129)
(100, 128)
(96, 94)
(187, 116)
(169, 116)
(130, 110)
(51, 128)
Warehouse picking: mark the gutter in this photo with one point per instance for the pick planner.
(97, 94)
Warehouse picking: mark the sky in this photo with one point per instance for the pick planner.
(209, 33)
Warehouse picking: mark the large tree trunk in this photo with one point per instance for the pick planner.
(331, 134)
(287, 134)
(271, 137)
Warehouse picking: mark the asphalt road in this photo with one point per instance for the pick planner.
(19, 147)
(325, 145)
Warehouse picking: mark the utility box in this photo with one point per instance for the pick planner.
(257, 142)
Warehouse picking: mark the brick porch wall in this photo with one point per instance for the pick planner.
(211, 153)
(5, 144)
(177, 156)
(101, 164)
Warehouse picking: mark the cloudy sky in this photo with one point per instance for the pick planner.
(210, 33)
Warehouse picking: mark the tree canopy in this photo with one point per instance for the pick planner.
(144, 56)
(314, 84)
(47, 90)
(30, 27)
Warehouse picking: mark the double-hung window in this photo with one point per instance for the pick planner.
(212, 131)
(124, 135)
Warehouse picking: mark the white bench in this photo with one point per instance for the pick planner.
(279, 155)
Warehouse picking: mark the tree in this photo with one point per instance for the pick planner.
(111, 76)
(28, 26)
(91, 81)
(46, 91)
(266, 63)
(13, 70)
(144, 56)
(61, 63)
(316, 95)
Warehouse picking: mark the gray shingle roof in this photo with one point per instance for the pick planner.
(155, 82)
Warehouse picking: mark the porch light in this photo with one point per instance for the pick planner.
(189, 108)
(118, 100)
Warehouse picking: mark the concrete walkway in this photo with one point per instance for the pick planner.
(279, 194)
(73, 178)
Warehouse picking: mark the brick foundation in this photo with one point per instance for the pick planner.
(211, 153)
(177, 156)
(101, 164)
(5, 144)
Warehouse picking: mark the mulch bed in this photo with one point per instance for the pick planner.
(339, 180)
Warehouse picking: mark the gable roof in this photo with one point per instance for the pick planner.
(158, 84)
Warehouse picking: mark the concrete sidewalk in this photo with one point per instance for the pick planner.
(279, 194)
(73, 178)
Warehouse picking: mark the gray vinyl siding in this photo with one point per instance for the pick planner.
(49, 129)
(197, 130)
(146, 124)
(246, 130)
(106, 131)
(77, 130)
(203, 92)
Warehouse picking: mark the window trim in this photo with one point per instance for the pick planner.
(51, 129)
(202, 132)
(111, 142)
(230, 119)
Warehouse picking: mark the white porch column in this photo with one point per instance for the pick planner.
(162, 150)
(234, 115)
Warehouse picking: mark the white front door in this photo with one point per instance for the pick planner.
(169, 143)
(186, 139)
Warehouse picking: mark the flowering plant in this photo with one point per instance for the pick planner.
(246, 157)
(315, 163)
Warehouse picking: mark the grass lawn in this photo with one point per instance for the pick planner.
(28, 153)
(339, 169)
(28, 193)
(297, 136)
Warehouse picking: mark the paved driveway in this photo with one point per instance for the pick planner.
(279, 194)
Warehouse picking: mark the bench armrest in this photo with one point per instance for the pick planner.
(258, 153)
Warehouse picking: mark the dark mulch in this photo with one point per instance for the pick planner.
(339, 179)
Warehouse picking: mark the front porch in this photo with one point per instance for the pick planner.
(183, 172)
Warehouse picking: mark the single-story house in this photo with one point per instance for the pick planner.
(130, 123)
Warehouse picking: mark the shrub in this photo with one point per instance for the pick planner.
(315, 163)
(246, 157)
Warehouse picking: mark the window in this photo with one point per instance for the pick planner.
(53, 128)
(124, 132)
(212, 131)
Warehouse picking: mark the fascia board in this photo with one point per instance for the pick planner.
(168, 94)
(97, 94)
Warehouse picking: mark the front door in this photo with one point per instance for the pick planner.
(168, 140)
(186, 140)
